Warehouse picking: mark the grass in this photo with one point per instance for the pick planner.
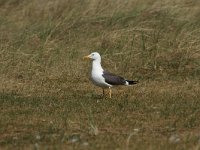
(47, 100)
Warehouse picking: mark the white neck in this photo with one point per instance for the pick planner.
(96, 66)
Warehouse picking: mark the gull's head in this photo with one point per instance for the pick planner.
(93, 56)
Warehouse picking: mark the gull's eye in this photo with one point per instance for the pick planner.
(92, 54)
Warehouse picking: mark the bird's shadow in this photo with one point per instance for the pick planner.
(98, 97)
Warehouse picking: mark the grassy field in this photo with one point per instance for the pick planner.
(47, 100)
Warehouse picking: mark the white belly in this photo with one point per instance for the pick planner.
(98, 80)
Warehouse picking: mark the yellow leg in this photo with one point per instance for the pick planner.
(110, 92)
(103, 92)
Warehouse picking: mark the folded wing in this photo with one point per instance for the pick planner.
(113, 79)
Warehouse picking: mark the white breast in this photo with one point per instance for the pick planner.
(98, 80)
(96, 75)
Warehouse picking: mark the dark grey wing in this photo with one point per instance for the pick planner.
(113, 79)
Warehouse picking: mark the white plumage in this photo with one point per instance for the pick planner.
(102, 78)
(97, 72)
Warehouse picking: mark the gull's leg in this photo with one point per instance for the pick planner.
(110, 92)
(103, 91)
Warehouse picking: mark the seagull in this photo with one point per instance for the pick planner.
(105, 79)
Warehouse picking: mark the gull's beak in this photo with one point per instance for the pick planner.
(87, 57)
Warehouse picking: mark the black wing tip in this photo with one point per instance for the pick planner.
(132, 82)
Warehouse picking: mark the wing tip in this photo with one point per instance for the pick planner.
(131, 82)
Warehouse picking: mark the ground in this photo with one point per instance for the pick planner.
(47, 100)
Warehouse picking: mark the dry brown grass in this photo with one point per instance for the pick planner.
(47, 101)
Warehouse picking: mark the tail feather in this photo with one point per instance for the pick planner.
(130, 82)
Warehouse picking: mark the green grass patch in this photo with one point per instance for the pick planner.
(47, 100)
